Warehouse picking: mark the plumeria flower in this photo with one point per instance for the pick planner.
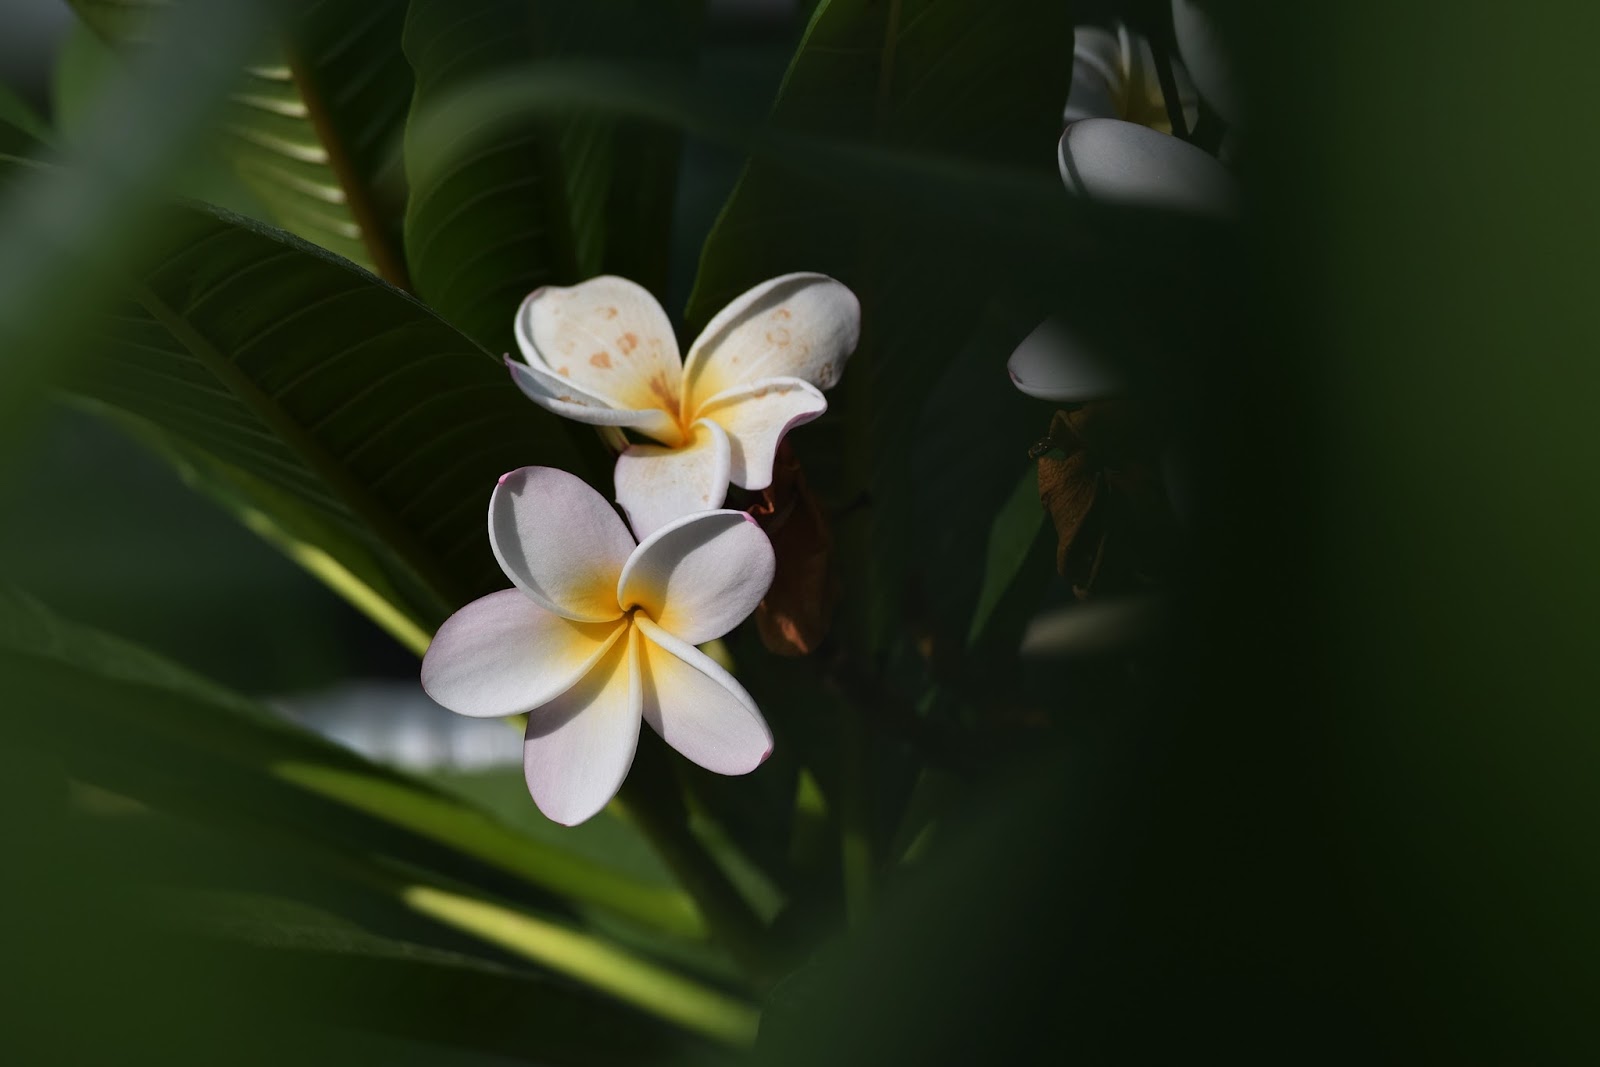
(1206, 54)
(1118, 147)
(603, 352)
(1118, 144)
(1114, 77)
(600, 633)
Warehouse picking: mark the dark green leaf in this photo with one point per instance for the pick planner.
(501, 209)
(966, 81)
(323, 384)
(313, 126)
(1016, 568)
(21, 129)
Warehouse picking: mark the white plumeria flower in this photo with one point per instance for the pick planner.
(1118, 148)
(599, 633)
(1114, 77)
(603, 352)
(1206, 53)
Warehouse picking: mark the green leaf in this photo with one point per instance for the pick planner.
(237, 752)
(316, 959)
(313, 126)
(538, 197)
(968, 82)
(322, 385)
(1016, 568)
(21, 129)
(65, 229)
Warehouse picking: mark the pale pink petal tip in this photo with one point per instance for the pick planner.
(502, 479)
(765, 755)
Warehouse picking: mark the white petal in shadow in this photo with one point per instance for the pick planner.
(1206, 55)
(1123, 162)
(1052, 364)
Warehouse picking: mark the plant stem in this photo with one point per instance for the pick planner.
(652, 803)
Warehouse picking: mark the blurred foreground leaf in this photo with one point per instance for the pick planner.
(313, 125)
(61, 232)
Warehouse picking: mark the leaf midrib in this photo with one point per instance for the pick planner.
(334, 474)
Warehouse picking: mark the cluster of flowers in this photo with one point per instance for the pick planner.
(599, 631)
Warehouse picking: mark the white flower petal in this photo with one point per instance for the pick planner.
(698, 708)
(504, 655)
(1051, 364)
(1107, 159)
(701, 576)
(559, 542)
(657, 485)
(1206, 55)
(607, 336)
(578, 747)
(557, 394)
(1098, 75)
(796, 326)
(756, 417)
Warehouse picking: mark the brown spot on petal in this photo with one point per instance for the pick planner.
(608, 313)
(778, 337)
(664, 394)
(565, 372)
(781, 313)
(627, 343)
(601, 360)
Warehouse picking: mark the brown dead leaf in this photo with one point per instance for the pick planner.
(795, 615)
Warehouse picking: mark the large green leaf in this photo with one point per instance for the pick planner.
(964, 80)
(407, 857)
(320, 791)
(537, 197)
(358, 422)
(313, 126)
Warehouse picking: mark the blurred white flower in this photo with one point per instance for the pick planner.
(599, 633)
(1204, 50)
(603, 352)
(1118, 148)
(1114, 77)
